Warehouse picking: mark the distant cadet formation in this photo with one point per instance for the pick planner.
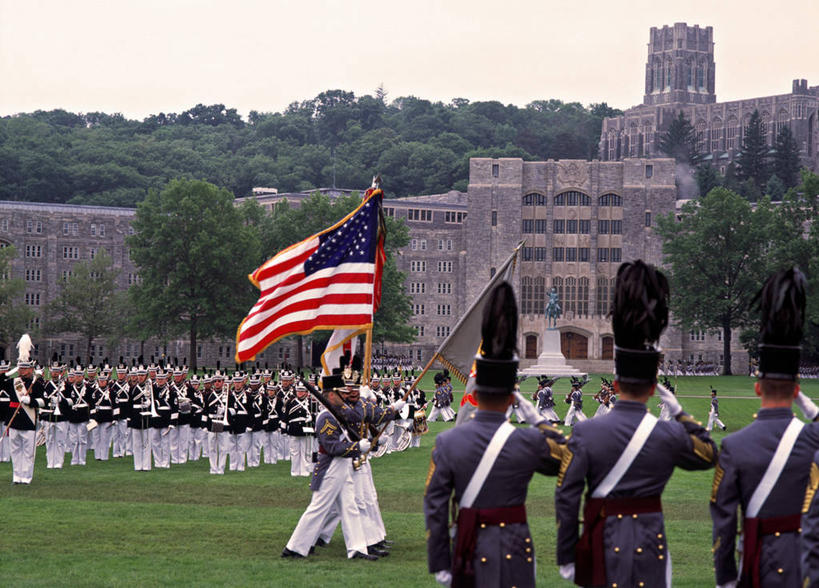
(162, 417)
(765, 481)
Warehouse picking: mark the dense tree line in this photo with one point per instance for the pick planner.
(336, 138)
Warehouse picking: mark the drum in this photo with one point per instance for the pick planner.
(419, 423)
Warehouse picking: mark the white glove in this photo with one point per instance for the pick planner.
(668, 398)
(25, 399)
(527, 410)
(444, 578)
(732, 584)
(397, 406)
(807, 406)
(567, 571)
(364, 445)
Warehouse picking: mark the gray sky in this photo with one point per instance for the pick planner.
(141, 57)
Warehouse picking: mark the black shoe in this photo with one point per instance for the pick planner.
(359, 555)
(312, 550)
(386, 543)
(724, 428)
(288, 553)
(373, 550)
(320, 542)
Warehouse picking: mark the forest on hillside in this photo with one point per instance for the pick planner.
(418, 146)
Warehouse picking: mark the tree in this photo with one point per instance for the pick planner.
(786, 158)
(14, 315)
(775, 189)
(680, 141)
(707, 178)
(713, 291)
(89, 302)
(753, 157)
(194, 253)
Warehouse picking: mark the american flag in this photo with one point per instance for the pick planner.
(328, 281)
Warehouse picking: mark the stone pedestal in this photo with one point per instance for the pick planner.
(551, 362)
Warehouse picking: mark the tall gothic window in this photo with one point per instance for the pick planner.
(570, 298)
(539, 298)
(557, 284)
(583, 296)
(526, 299)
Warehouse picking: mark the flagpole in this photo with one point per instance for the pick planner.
(368, 354)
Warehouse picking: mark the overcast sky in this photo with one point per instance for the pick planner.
(141, 57)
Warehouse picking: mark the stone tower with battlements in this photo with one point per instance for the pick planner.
(680, 65)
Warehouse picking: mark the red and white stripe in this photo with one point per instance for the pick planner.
(291, 302)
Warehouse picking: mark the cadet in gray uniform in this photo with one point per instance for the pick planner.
(627, 456)
(713, 413)
(487, 463)
(810, 528)
(546, 401)
(764, 468)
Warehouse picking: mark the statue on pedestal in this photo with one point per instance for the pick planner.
(553, 310)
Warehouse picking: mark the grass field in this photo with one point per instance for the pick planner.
(106, 525)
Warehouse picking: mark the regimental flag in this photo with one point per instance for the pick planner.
(331, 280)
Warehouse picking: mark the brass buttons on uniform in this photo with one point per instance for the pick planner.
(483, 525)
(502, 525)
(634, 516)
(641, 584)
(660, 547)
(659, 535)
(661, 556)
(639, 550)
(508, 556)
(483, 560)
(529, 559)
(616, 550)
(528, 540)
(619, 516)
(776, 534)
(780, 571)
(528, 550)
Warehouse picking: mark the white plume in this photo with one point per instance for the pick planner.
(24, 346)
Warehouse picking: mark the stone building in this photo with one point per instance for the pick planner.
(50, 239)
(680, 76)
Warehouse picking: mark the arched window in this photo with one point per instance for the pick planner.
(603, 303)
(534, 199)
(716, 134)
(570, 298)
(701, 127)
(526, 295)
(781, 120)
(648, 137)
(610, 200)
(572, 198)
(612, 145)
(765, 122)
(731, 132)
(583, 297)
(633, 140)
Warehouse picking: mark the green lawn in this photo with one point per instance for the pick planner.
(104, 524)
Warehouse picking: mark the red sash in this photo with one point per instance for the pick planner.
(463, 573)
(590, 560)
(14, 404)
(753, 530)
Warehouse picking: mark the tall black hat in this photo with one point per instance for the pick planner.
(496, 366)
(639, 316)
(782, 303)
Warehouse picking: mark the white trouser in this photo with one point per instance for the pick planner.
(102, 437)
(218, 447)
(22, 447)
(141, 447)
(5, 450)
(198, 443)
(56, 440)
(366, 499)
(180, 440)
(601, 410)
(713, 419)
(446, 413)
(77, 442)
(416, 440)
(161, 447)
(337, 490)
(301, 456)
(254, 450)
(574, 415)
(120, 438)
(285, 447)
(238, 449)
(549, 414)
(272, 446)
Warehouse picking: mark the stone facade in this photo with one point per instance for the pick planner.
(50, 239)
(680, 77)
